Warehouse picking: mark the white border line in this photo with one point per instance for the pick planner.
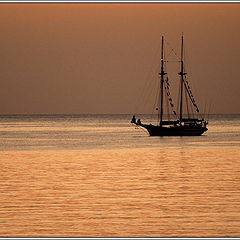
(119, 1)
(123, 238)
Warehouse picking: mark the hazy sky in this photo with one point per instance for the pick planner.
(97, 58)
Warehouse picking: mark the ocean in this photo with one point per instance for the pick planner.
(99, 176)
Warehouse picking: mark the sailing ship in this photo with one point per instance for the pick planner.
(181, 126)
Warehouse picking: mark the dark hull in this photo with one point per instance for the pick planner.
(174, 131)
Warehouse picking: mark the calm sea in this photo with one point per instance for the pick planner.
(99, 176)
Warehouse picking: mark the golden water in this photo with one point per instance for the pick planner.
(185, 190)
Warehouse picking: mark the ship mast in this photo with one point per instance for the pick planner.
(181, 73)
(162, 73)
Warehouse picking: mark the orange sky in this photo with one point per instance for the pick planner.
(96, 58)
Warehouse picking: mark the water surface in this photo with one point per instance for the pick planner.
(99, 176)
